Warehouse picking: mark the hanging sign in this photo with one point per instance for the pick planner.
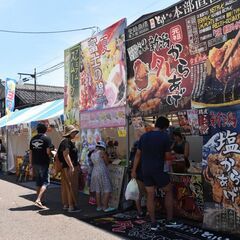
(122, 132)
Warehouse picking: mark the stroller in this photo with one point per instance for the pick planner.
(24, 168)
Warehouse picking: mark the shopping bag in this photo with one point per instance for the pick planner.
(57, 165)
(132, 191)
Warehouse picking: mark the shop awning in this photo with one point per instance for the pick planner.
(44, 111)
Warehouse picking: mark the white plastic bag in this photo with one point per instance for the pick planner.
(132, 191)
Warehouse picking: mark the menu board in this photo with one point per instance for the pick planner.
(103, 69)
(221, 170)
(114, 117)
(186, 54)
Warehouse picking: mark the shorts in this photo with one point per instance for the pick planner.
(42, 176)
(140, 176)
(160, 179)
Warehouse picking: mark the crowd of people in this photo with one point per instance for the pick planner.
(67, 154)
(149, 155)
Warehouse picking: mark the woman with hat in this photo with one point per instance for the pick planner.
(68, 155)
(100, 179)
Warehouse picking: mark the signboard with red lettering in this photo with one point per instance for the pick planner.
(103, 69)
(184, 55)
(221, 170)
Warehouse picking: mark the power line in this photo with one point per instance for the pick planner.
(51, 69)
(50, 32)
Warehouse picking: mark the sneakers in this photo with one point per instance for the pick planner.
(155, 226)
(109, 209)
(74, 210)
(172, 224)
(99, 209)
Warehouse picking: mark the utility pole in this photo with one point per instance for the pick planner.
(34, 76)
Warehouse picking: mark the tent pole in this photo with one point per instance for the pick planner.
(7, 150)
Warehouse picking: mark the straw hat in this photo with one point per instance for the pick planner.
(69, 129)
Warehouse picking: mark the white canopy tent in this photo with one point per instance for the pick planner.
(44, 111)
(17, 145)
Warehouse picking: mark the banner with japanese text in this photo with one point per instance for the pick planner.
(221, 170)
(72, 63)
(103, 69)
(175, 57)
(10, 95)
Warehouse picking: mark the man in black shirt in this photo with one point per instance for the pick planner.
(39, 158)
(153, 150)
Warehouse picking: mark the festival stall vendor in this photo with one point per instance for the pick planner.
(180, 59)
(187, 182)
(160, 82)
(21, 125)
(113, 133)
(102, 102)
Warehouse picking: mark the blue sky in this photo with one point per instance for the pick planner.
(23, 53)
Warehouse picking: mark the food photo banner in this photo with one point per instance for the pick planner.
(221, 170)
(103, 69)
(184, 55)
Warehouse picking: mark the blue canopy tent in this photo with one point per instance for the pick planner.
(17, 144)
(44, 111)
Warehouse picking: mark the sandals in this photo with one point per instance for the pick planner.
(39, 204)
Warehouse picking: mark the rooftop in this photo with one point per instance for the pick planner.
(44, 93)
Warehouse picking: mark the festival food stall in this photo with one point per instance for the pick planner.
(184, 60)
(102, 99)
(21, 126)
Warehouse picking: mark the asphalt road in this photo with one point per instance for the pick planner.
(21, 220)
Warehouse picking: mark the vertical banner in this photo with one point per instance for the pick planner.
(203, 119)
(103, 72)
(71, 85)
(10, 95)
(221, 170)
